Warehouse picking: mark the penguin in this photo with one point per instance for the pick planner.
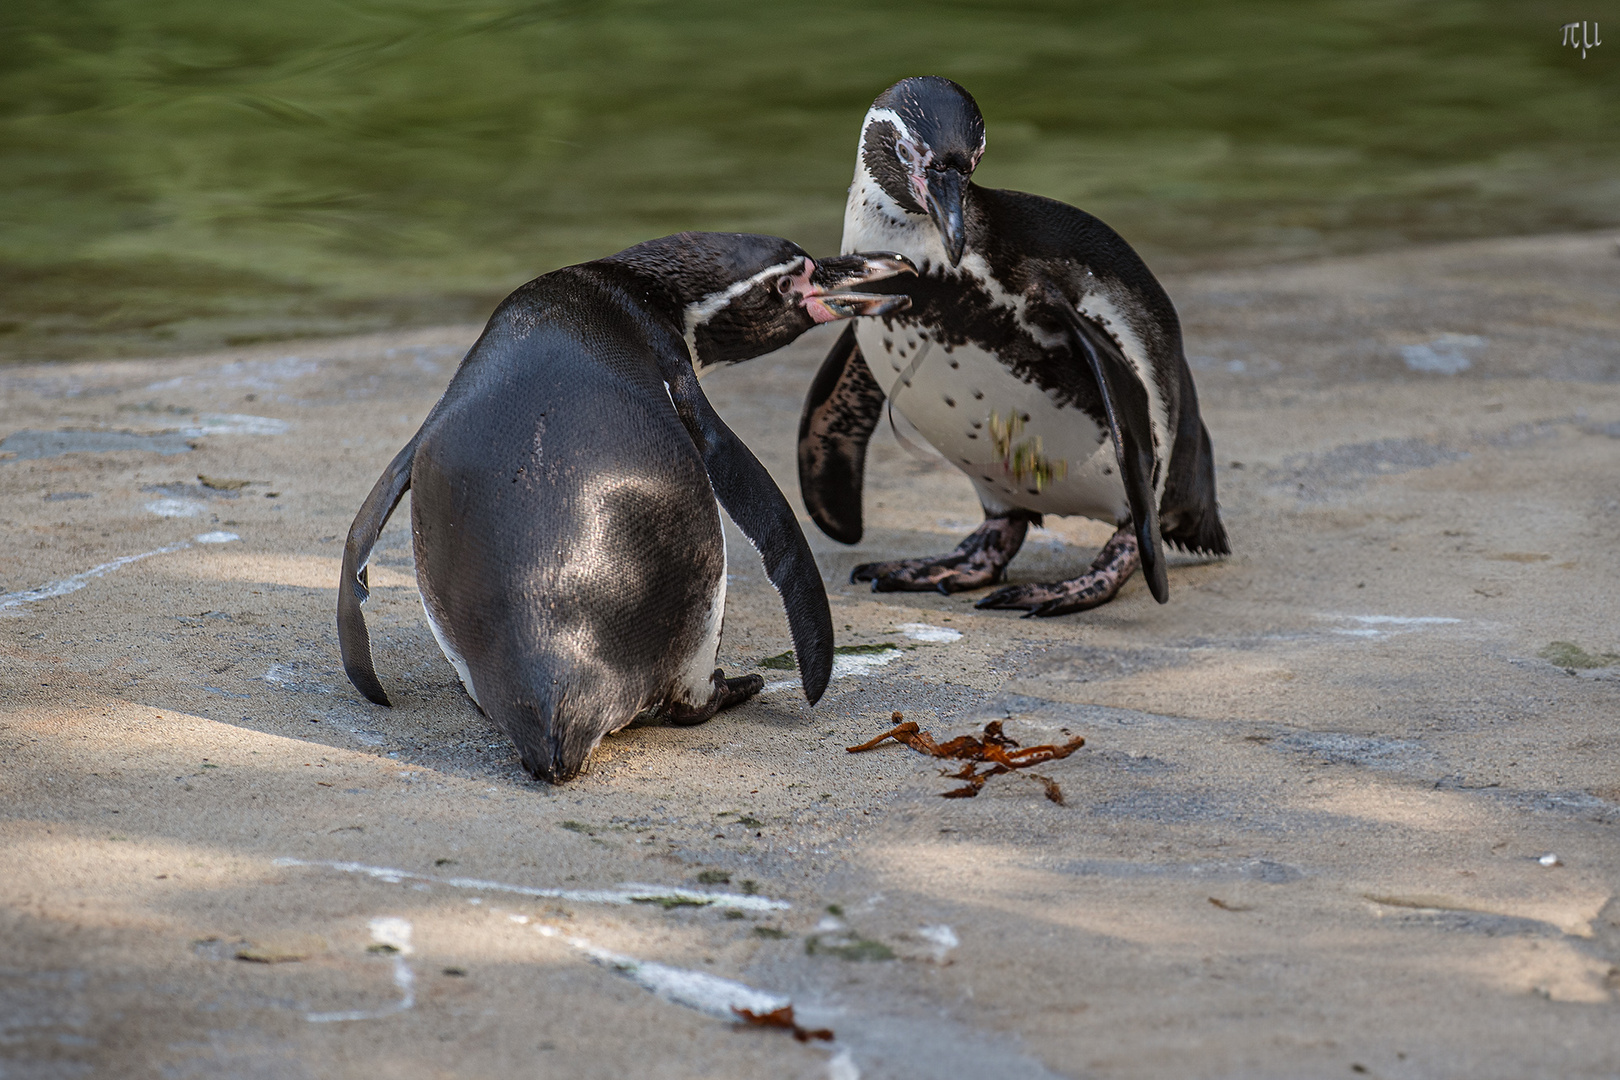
(1039, 356)
(568, 545)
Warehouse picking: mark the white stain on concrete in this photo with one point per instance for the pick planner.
(53, 589)
(1448, 354)
(843, 667)
(628, 893)
(1376, 626)
(395, 934)
(917, 631)
(842, 1066)
(176, 508)
(942, 938)
(711, 995)
(861, 663)
(698, 990)
(235, 424)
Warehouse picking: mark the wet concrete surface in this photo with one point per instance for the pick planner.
(1338, 813)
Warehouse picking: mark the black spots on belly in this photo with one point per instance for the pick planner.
(971, 435)
(956, 309)
(977, 424)
(1108, 470)
(955, 364)
(888, 343)
(1102, 436)
(978, 395)
(950, 401)
(1032, 491)
(965, 461)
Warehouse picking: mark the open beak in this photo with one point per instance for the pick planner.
(945, 188)
(832, 294)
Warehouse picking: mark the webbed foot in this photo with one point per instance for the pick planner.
(727, 692)
(1113, 566)
(979, 560)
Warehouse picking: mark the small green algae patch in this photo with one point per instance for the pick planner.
(669, 902)
(850, 947)
(1567, 654)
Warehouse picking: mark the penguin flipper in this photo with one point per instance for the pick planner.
(1130, 422)
(841, 411)
(353, 587)
(756, 504)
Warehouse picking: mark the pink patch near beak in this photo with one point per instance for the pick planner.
(806, 292)
(818, 311)
(919, 188)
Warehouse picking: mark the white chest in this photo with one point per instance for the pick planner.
(1020, 448)
(1018, 445)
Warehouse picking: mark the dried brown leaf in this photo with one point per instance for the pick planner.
(783, 1018)
(993, 747)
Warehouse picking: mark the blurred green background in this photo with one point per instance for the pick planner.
(182, 174)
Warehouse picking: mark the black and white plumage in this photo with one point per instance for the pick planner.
(568, 544)
(1039, 355)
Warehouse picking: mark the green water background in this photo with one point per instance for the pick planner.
(186, 174)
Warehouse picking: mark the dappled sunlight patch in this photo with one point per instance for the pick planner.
(296, 571)
(1547, 968)
(1397, 804)
(62, 587)
(1571, 913)
(1160, 913)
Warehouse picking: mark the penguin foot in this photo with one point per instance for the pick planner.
(739, 689)
(727, 692)
(979, 560)
(1113, 566)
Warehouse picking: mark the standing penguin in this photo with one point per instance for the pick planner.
(568, 546)
(1039, 356)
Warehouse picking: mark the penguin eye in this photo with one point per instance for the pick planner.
(784, 284)
(908, 155)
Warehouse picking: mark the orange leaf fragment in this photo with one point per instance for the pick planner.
(993, 747)
(783, 1018)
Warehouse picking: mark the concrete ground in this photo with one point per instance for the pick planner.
(1348, 805)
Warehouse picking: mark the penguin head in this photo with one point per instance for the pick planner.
(921, 141)
(741, 296)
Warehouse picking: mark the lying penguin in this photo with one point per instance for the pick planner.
(568, 546)
(1039, 355)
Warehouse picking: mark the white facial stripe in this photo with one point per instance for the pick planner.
(701, 311)
(874, 115)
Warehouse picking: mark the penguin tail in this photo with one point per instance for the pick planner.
(1205, 536)
(1189, 515)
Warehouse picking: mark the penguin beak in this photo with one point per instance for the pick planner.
(945, 190)
(831, 295)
